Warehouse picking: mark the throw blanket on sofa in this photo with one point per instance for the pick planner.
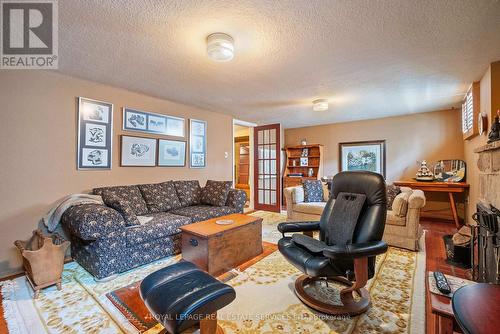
(53, 217)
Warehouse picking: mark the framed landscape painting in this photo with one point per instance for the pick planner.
(171, 153)
(363, 155)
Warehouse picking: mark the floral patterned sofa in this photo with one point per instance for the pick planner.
(140, 223)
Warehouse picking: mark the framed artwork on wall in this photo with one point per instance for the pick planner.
(171, 153)
(138, 151)
(197, 143)
(142, 121)
(363, 155)
(95, 134)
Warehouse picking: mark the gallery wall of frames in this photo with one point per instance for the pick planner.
(95, 138)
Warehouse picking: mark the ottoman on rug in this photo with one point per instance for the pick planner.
(182, 295)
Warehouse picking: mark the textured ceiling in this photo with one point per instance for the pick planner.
(370, 58)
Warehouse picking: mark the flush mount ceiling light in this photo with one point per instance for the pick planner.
(220, 47)
(320, 105)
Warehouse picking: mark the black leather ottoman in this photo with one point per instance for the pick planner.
(182, 295)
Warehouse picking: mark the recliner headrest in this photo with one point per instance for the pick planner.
(361, 182)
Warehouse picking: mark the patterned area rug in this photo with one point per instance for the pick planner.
(128, 301)
(82, 306)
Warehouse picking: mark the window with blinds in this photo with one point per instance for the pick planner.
(470, 111)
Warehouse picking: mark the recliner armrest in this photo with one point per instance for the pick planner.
(298, 227)
(358, 250)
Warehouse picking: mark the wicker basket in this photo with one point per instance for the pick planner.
(43, 259)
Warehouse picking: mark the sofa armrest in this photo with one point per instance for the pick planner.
(93, 221)
(236, 198)
(294, 195)
(416, 199)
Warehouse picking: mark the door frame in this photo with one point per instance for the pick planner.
(267, 207)
(251, 172)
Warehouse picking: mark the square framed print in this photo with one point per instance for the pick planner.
(171, 153)
(148, 122)
(138, 151)
(95, 134)
(362, 155)
(197, 143)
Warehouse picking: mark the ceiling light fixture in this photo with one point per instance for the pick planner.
(220, 47)
(320, 105)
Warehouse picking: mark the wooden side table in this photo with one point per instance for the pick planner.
(477, 308)
(443, 187)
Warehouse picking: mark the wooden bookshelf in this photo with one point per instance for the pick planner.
(313, 154)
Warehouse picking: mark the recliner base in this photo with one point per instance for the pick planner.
(349, 307)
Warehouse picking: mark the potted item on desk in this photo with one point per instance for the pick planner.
(43, 259)
(424, 173)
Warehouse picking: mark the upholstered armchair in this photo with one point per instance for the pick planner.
(350, 236)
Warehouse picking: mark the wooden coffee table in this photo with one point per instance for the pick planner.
(220, 248)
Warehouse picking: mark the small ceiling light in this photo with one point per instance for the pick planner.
(220, 47)
(320, 105)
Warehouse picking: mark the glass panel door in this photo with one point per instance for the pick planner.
(267, 168)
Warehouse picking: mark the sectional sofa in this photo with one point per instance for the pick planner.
(140, 223)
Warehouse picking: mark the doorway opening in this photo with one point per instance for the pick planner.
(243, 160)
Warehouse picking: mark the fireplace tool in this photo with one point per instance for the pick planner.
(490, 222)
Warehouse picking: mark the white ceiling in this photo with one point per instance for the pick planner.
(370, 58)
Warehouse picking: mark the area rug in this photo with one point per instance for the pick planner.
(128, 301)
(265, 300)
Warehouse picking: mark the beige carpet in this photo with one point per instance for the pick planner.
(265, 301)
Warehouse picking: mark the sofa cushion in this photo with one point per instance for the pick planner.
(160, 197)
(313, 191)
(215, 192)
(392, 192)
(393, 219)
(313, 208)
(189, 192)
(162, 225)
(129, 194)
(114, 202)
(203, 212)
(400, 204)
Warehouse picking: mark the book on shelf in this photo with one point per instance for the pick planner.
(295, 174)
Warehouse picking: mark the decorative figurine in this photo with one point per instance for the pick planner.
(494, 134)
(424, 173)
(303, 142)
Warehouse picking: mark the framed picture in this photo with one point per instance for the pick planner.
(142, 121)
(95, 134)
(364, 155)
(138, 151)
(171, 153)
(304, 162)
(197, 143)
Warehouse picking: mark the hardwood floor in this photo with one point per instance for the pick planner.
(3, 324)
(435, 261)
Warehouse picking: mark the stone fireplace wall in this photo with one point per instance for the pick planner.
(489, 173)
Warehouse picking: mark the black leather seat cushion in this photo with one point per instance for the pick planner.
(180, 295)
(309, 263)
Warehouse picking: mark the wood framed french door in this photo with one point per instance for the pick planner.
(267, 166)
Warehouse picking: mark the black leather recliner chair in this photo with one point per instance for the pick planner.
(345, 251)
